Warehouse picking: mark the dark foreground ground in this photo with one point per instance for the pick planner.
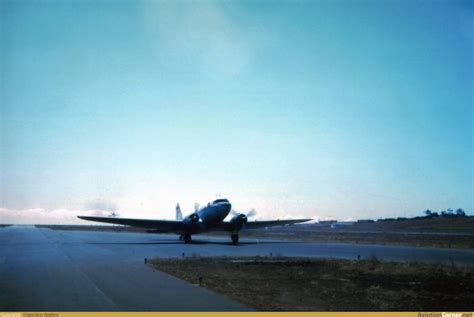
(302, 284)
(71, 270)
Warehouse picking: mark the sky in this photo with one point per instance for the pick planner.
(322, 109)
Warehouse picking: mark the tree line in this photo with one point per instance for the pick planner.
(445, 213)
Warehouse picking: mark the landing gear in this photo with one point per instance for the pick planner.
(187, 238)
(235, 238)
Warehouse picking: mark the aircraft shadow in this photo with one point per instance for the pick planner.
(196, 242)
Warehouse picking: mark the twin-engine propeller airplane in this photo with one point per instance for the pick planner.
(208, 218)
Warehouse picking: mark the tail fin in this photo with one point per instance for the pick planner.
(179, 215)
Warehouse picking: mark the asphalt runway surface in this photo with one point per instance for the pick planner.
(62, 270)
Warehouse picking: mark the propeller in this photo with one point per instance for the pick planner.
(249, 214)
(240, 219)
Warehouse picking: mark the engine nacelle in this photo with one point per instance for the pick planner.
(191, 223)
(238, 222)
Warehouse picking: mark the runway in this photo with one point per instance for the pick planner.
(48, 270)
(53, 270)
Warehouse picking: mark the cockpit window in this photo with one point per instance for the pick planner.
(220, 201)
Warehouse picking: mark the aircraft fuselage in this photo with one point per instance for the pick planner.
(214, 213)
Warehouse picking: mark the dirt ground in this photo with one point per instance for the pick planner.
(301, 284)
(461, 241)
(441, 232)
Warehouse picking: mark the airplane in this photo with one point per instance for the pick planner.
(209, 218)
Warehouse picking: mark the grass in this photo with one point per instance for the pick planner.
(302, 284)
(389, 238)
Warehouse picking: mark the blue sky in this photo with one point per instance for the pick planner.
(330, 109)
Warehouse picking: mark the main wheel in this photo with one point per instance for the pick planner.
(235, 238)
(187, 238)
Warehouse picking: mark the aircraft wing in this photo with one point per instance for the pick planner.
(272, 223)
(227, 226)
(157, 225)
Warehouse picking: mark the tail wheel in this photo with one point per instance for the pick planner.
(187, 238)
(235, 238)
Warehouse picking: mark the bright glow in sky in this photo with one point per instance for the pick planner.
(330, 109)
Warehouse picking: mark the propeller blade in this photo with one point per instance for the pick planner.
(251, 213)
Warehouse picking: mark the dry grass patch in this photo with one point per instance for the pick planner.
(302, 284)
